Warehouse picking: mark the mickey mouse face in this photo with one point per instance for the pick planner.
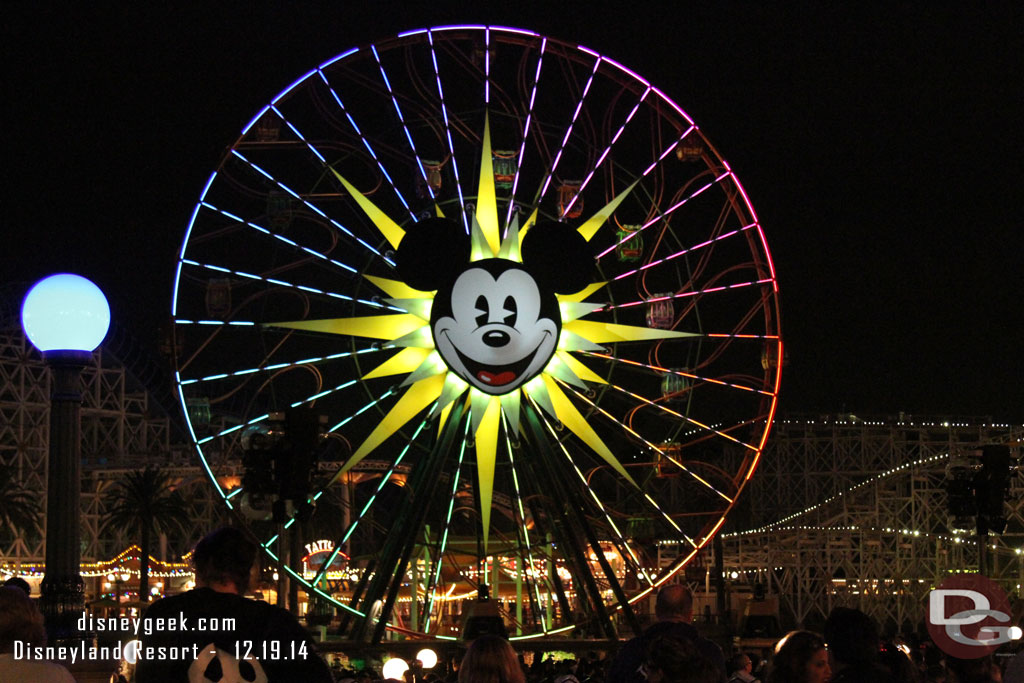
(495, 321)
(495, 327)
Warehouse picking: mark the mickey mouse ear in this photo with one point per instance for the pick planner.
(432, 252)
(558, 257)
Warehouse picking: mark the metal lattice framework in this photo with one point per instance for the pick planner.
(852, 512)
(123, 429)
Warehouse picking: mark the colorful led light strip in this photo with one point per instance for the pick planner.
(185, 243)
(282, 238)
(299, 135)
(658, 368)
(522, 524)
(663, 215)
(312, 207)
(678, 464)
(290, 285)
(703, 426)
(278, 366)
(568, 132)
(230, 430)
(487, 66)
(384, 480)
(448, 131)
(288, 570)
(607, 149)
(676, 255)
(401, 119)
(597, 501)
(645, 496)
(366, 143)
(526, 130)
(684, 295)
(719, 335)
(432, 588)
(362, 410)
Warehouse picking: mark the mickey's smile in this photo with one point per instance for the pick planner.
(496, 375)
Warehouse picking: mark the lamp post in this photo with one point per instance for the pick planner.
(65, 317)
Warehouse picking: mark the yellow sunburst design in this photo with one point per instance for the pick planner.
(431, 385)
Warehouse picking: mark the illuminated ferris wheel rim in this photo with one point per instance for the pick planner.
(617, 71)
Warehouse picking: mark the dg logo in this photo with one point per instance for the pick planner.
(969, 616)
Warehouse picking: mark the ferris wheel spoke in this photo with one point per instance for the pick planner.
(305, 202)
(686, 295)
(442, 546)
(671, 257)
(448, 130)
(645, 496)
(290, 285)
(217, 323)
(312, 148)
(700, 480)
(526, 130)
(231, 430)
(522, 529)
(401, 118)
(622, 543)
(323, 160)
(362, 410)
(278, 366)
(347, 534)
(668, 150)
(366, 143)
(277, 236)
(663, 215)
(607, 150)
(296, 404)
(678, 373)
(690, 420)
(568, 133)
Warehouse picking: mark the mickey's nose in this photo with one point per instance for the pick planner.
(496, 338)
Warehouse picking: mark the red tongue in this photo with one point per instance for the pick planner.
(495, 380)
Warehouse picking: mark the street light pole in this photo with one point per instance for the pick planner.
(66, 317)
(63, 592)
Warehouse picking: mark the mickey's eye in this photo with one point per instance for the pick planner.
(482, 310)
(510, 311)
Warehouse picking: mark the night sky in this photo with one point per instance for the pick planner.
(881, 147)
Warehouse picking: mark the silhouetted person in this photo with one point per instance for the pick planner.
(262, 637)
(490, 659)
(677, 660)
(741, 669)
(18, 582)
(21, 621)
(800, 657)
(674, 610)
(852, 638)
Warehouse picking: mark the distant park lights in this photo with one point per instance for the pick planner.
(65, 312)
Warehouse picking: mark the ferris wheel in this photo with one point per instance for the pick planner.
(527, 306)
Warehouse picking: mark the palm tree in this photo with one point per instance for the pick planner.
(147, 503)
(20, 510)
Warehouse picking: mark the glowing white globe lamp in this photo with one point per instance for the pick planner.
(66, 317)
(395, 668)
(65, 312)
(427, 657)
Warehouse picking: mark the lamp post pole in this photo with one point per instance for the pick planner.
(63, 592)
(66, 317)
